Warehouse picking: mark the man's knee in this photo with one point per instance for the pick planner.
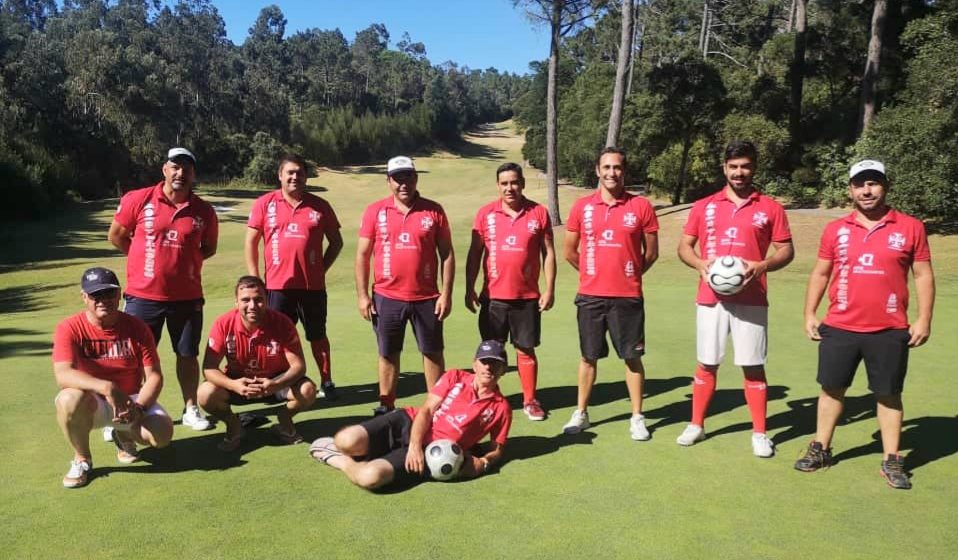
(72, 401)
(209, 394)
(352, 440)
(305, 394)
(371, 476)
(157, 431)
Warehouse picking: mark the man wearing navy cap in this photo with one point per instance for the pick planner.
(863, 261)
(106, 366)
(463, 407)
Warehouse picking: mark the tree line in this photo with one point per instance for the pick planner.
(815, 84)
(93, 93)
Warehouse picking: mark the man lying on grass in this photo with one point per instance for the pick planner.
(463, 407)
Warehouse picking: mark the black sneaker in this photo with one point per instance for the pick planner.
(328, 388)
(893, 471)
(382, 409)
(816, 457)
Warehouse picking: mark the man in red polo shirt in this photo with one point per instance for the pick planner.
(865, 257)
(742, 222)
(514, 234)
(167, 232)
(293, 224)
(264, 363)
(106, 366)
(463, 407)
(404, 234)
(612, 240)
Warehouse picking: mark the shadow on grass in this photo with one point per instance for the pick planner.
(554, 398)
(724, 400)
(929, 438)
(22, 347)
(29, 298)
(29, 244)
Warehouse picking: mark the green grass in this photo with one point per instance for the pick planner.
(596, 495)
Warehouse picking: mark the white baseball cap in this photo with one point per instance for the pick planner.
(399, 163)
(180, 152)
(866, 165)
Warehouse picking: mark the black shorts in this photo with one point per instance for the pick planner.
(308, 306)
(184, 321)
(390, 319)
(389, 439)
(885, 354)
(276, 398)
(517, 319)
(622, 317)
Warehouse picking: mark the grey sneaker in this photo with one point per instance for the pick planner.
(578, 422)
(691, 435)
(893, 471)
(327, 390)
(815, 457)
(193, 418)
(637, 428)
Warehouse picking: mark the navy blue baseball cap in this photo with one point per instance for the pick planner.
(97, 279)
(491, 350)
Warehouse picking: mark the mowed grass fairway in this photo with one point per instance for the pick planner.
(597, 495)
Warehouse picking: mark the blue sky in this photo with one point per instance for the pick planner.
(474, 33)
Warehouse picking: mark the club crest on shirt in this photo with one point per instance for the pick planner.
(486, 416)
(759, 219)
(630, 219)
(314, 216)
(426, 222)
(532, 225)
(896, 241)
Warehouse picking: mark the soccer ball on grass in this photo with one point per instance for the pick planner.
(444, 458)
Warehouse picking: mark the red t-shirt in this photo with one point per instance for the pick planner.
(257, 353)
(745, 231)
(406, 264)
(463, 417)
(165, 260)
(610, 243)
(513, 248)
(868, 289)
(117, 354)
(293, 239)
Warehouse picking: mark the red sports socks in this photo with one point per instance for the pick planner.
(703, 389)
(756, 395)
(528, 373)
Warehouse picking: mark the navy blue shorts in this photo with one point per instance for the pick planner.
(885, 354)
(308, 306)
(517, 319)
(390, 319)
(184, 321)
(622, 317)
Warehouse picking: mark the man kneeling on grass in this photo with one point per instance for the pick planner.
(462, 407)
(109, 375)
(264, 364)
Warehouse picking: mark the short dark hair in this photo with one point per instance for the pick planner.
(611, 150)
(741, 149)
(249, 281)
(293, 158)
(510, 166)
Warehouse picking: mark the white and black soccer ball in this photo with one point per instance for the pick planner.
(444, 458)
(726, 276)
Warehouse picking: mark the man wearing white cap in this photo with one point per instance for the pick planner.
(167, 232)
(404, 234)
(863, 260)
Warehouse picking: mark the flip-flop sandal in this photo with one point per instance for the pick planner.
(230, 444)
(323, 449)
(286, 437)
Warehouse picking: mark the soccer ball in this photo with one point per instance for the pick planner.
(726, 276)
(444, 457)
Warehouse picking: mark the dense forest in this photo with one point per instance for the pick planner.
(93, 93)
(814, 83)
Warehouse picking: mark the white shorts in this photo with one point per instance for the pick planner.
(103, 416)
(748, 325)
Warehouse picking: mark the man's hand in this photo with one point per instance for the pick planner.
(266, 386)
(121, 403)
(245, 387)
(366, 307)
(920, 330)
(415, 460)
(546, 300)
(754, 269)
(472, 300)
(811, 327)
(703, 267)
(443, 307)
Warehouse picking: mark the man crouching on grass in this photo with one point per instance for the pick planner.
(106, 366)
(462, 407)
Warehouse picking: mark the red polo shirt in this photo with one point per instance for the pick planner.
(293, 239)
(513, 248)
(406, 264)
(260, 352)
(868, 289)
(165, 260)
(745, 231)
(463, 417)
(610, 243)
(117, 354)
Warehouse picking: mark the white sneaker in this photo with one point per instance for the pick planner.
(193, 418)
(108, 434)
(637, 428)
(578, 422)
(78, 475)
(691, 435)
(762, 446)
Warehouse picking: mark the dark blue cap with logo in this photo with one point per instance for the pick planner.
(491, 350)
(97, 279)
